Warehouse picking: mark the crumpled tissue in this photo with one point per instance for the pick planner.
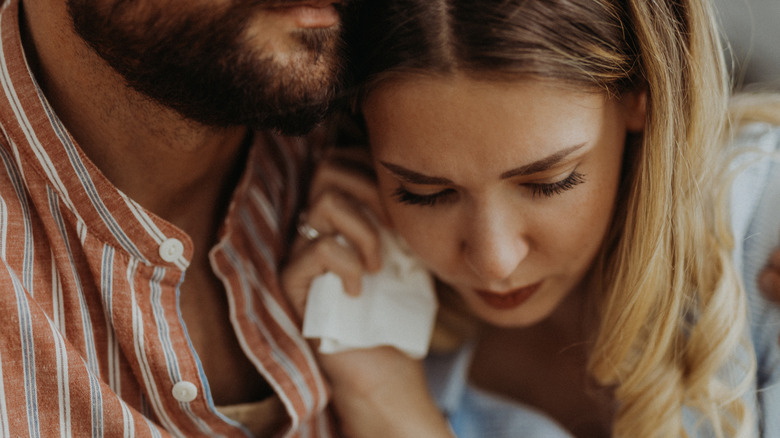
(396, 307)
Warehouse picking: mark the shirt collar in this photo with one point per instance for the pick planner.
(59, 177)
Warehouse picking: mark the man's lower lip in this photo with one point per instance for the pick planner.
(509, 300)
(310, 17)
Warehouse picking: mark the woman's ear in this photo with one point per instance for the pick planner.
(635, 103)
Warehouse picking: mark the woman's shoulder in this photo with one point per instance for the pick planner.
(755, 221)
(754, 163)
(761, 136)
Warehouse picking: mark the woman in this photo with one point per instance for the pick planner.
(553, 164)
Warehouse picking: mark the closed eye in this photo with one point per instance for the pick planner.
(546, 190)
(404, 196)
(556, 188)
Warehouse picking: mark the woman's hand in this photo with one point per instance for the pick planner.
(377, 392)
(338, 231)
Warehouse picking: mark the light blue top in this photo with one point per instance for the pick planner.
(755, 216)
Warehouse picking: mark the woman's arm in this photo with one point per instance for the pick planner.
(382, 393)
(376, 392)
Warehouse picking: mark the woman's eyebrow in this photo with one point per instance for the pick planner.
(542, 164)
(545, 163)
(413, 177)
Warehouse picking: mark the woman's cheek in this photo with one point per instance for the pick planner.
(424, 237)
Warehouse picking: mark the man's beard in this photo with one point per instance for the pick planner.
(199, 63)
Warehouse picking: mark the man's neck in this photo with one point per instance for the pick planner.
(163, 161)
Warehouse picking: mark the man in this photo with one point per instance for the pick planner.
(145, 197)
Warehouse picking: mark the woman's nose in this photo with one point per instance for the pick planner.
(495, 246)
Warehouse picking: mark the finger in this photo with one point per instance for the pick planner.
(363, 191)
(353, 176)
(317, 258)
(769, 281)
(341, 260)
(334, 213)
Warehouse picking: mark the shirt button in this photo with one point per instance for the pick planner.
(171, 249)
(185, 391)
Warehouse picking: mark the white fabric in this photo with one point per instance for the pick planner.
(397, 306)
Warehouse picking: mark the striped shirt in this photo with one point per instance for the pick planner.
(93, 342)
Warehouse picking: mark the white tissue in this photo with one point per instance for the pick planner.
(397, 306)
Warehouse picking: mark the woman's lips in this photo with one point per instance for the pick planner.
(508, 300)
(311, 15)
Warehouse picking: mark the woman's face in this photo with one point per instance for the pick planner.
(504, 189)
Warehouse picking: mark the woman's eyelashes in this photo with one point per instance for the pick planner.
(546, 190)
(406, 197)
(549, 189)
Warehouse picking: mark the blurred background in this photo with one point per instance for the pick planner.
(752, 29)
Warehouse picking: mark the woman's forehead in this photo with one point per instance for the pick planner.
(456, 110)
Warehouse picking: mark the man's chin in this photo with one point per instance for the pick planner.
(201, 67)
(287, 117)
(256, 114)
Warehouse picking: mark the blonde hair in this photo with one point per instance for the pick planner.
(754, 107)
(671, 309)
